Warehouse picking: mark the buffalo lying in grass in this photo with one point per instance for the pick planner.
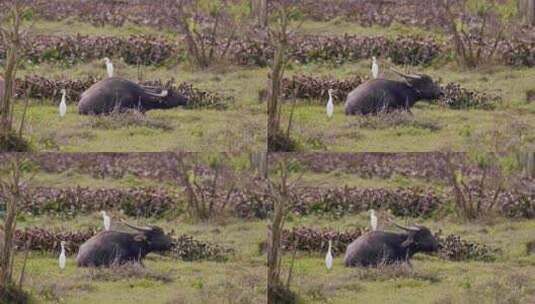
(383, 95)
(378, 247)
(115, 248)
(117, 94)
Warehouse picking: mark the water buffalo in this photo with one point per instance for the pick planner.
(113, 247)
(379, 95)
(379, 247)
(120, 94)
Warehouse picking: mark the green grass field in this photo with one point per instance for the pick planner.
(241, 127)
(508, 279)
(431, 128)
(451, 129)
(511, 276)
(239, 279)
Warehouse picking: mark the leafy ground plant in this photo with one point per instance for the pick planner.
(125, 272)
(394, 271)
(396, 119)
(126, 119)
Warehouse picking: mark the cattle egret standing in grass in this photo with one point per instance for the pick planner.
(329, 257)
(330, 104)
(62, 257)
(375, 68)
(109, 67)
(63, 104)
(373, 220)
(107, 221)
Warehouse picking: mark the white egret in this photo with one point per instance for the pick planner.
(109, 67)
(63, 104)
(330, 104)
(107, 220)
(375, 68)
(62, 257)
(373, 220)
(329, 257)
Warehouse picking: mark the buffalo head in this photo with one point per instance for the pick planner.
(153, 237)
(163, 99)
(419, 239)
(422, 84)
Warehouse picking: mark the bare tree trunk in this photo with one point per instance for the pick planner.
(258, 163)
(280, 39)
(281, 202)
(5, 109)
(11, 33)
(527, 162)
(526, 9)
(1, 91)
(259, 11)
(10, 186)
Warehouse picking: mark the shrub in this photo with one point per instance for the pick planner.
(188, 249)
(317, 240)
(244, 203)
(311, 87)
(457, 97)
(71, 201)
(453, 248)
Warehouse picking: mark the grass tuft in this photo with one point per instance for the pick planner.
(395, 119)
(530, 248)
(56, 291)
(126, 119)
(14, 295)
(13, 143)
(385, 272)
(510, 289)
(127, 271)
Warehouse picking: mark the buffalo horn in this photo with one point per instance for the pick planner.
(163, 94)
(135, 227)
(403, 227)
(405, 75)
(148, 87)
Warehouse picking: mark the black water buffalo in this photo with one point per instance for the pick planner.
(379, 247)
(120, 94)
(383, 95)
(114, 248)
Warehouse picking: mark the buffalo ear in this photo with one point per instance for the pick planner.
(407, 82)
(409, 241)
